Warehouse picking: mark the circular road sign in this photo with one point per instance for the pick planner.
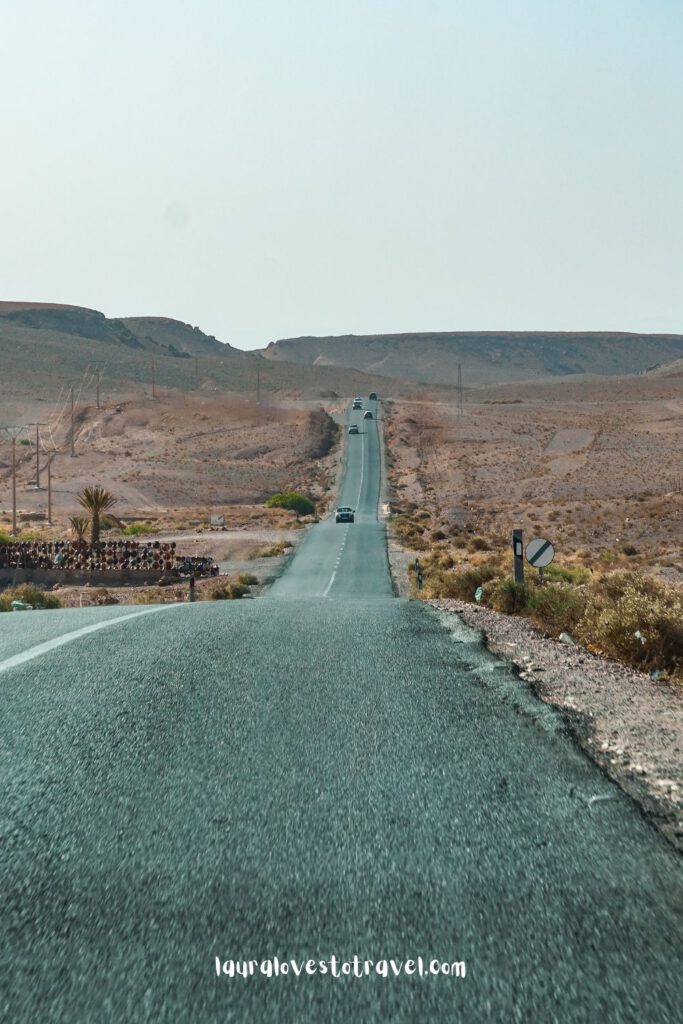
(539, 553)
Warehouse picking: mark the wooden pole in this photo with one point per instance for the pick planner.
(73, 424)
(14, 486)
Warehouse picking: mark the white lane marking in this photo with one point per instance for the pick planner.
(336, 564)
(341, 549)
(66, 638)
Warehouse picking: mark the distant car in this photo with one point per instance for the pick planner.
(344, 515)
(368, 415)
(373, 396)
(353, 429)
(357, 405)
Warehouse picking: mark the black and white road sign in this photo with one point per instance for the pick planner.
(539, 552)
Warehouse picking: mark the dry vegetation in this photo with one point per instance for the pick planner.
(593, 467)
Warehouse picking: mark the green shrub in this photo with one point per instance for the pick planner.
(556, 607)
(31, 594)
(567, 573)
(5, 538)
(292, 500)
(135, 529)
(507, 596)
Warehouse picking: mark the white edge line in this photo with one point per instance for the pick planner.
(66, 638)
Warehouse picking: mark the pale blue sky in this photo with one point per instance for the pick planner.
(279, 167)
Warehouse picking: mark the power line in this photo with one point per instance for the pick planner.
(13, 433)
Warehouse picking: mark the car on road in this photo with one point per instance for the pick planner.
(368, 415)
(373, 396)
(353, 429)
(357, 405)
(344, 515)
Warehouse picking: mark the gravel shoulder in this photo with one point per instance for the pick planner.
(628, 723)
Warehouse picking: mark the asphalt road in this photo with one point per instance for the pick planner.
(327, 771)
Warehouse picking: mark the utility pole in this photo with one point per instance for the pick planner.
(51, 452)
(37, 426)
(73, 423)
(13, 433)
(460, 410)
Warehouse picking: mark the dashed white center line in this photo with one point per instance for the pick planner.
(336, 564)
(341, 549)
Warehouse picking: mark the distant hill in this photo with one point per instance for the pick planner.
(487, 357)
(176, 337)
(44, 346)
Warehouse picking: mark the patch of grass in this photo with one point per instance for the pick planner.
(272, 551)
(135, 529)
(31, 594)
(557, 608)
(229, 591)
(559, 572)
(461, 585)
(247, 579)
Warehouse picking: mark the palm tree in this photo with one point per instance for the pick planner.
(79, 525)
(96, 500)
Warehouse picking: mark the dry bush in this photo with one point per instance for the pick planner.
(31, 594)
(272, 551)
(636, 620)
(231, 590)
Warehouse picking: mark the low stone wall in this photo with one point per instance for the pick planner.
(75, 577)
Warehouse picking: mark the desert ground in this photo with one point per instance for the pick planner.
(172, 461)
(595, 465)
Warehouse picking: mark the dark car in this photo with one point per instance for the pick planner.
(344, 515)
(353, 429)
(357, 405)
(368, 415)
(373, 396)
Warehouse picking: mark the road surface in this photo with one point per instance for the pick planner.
(324, 772)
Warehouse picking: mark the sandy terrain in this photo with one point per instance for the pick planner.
(177, 459)
(593, 465)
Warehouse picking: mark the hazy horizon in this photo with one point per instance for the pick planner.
(282, 168)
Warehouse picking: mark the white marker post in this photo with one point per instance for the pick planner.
(518, 555)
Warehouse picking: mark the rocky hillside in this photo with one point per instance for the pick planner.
(45, 347)
(486, 357)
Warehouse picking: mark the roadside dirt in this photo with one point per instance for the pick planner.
(595, 466)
